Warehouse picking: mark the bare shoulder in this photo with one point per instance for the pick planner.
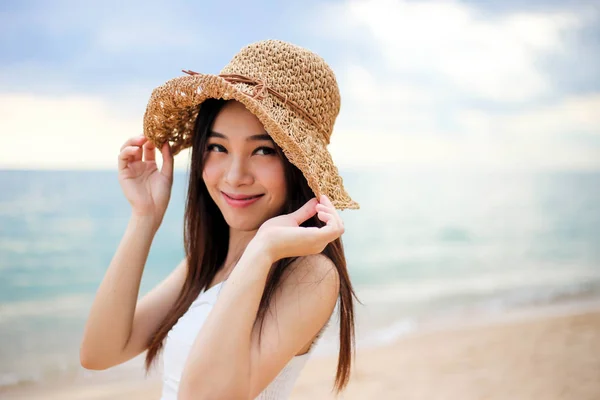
(304, 301)
(315, 270)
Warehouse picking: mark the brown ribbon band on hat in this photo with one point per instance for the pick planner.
(258, 93)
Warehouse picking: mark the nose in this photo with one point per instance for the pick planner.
(238, 173)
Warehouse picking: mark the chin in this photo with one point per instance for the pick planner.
(246, 223)
(246, 220)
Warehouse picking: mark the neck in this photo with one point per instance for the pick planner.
(238, 241)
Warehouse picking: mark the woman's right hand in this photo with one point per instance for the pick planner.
(147, 189)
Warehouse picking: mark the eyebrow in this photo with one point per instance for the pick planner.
(261, 137)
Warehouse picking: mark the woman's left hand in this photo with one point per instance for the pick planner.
(282, 236)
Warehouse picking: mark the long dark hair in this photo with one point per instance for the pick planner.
(206, 241)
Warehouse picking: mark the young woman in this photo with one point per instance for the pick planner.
(264, 264)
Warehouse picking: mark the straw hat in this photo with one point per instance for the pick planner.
(291, 90)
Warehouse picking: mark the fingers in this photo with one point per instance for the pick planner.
(327, 213)
(138, 147)
(149, 151)
(131, 151)
(305, 212)
(167, 167)
(129, 154)
(331, 219)
(324, 216)
(134, 141)
(325, 200)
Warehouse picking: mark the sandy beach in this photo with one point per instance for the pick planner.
(541, 357)
(547, 358)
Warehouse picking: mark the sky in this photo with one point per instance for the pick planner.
(445, 84)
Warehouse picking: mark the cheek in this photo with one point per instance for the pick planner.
(273, 177)
(211, 173)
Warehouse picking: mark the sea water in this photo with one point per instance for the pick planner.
(424, 244)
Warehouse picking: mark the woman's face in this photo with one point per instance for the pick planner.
(242, 162)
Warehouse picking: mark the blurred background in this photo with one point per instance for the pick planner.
(469, 133)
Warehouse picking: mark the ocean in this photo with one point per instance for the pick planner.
(425, 245)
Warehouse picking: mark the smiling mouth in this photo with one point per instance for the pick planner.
(242, 198)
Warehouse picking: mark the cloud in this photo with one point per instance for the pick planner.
(71, 132)
(565, 135)
(446, 84)
(490, 58)
(572, 115)
(424, 83)
(68, 46)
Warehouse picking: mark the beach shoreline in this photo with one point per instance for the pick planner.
(550, 352)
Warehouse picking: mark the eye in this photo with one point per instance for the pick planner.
(266, 150)
(210, 147)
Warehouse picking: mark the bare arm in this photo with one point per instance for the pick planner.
(116, 329)
(220, 354)
(226, 361)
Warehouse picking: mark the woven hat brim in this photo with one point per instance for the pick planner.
(173, 108)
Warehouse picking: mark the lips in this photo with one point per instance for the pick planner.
(241, 196)
(241, 202)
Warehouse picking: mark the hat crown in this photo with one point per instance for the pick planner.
(294, 72)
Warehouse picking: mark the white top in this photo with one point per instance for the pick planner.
(181, 337)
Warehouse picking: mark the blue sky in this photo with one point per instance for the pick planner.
(427, 83)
